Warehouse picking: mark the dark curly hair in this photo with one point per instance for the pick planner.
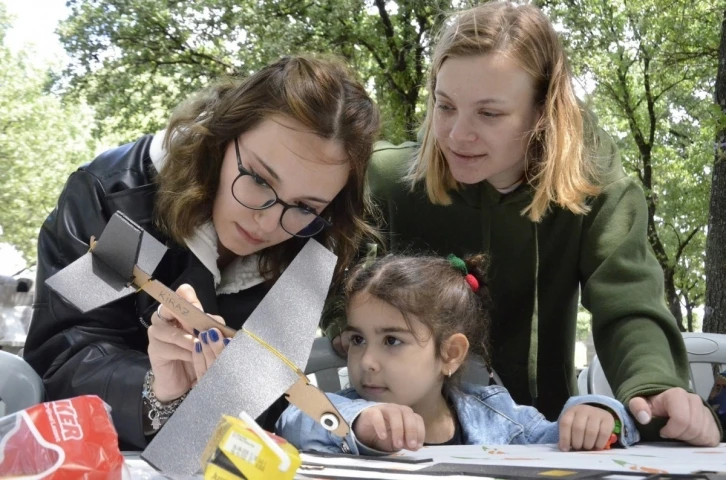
(432, 290)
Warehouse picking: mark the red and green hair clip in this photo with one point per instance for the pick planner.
(460, 265)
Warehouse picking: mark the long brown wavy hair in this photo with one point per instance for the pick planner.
(559, 159)
(321, 94)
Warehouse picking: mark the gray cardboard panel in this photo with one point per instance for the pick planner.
(247, 376)
(151, 253)
(303, 305)
(119, 245)
(89, 283)
(94, 279)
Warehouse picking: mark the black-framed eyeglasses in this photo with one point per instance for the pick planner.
(253, 192)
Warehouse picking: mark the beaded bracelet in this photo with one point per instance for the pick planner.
(159, 412)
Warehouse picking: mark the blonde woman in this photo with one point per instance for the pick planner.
(510, 165)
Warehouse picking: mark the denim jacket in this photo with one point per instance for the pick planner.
(487, 414)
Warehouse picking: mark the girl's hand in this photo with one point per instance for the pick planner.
(170, 351)
(585, 427)
(207, 347)
(389, 427)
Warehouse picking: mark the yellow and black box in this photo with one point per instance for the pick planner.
(236, 452)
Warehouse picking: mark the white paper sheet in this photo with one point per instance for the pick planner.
(648, 459)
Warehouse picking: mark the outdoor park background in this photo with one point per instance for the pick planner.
(81, 76)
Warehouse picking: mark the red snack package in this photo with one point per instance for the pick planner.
(61, 440)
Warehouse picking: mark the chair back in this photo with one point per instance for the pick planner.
(706, 351)
(582, 381)
(20, 386)
(324, 363)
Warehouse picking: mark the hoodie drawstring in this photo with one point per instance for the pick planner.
(534, 337)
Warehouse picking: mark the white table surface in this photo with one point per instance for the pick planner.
(666, 457)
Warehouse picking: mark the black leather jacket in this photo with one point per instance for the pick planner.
(103, 352)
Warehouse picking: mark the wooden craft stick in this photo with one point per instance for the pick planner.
(188, 313)
(305, 396)
(311, 400)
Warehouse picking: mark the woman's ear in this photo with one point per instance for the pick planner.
(453, 353)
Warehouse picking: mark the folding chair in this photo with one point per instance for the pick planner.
(20, 386)
(325, 364)
(582, 381)
(704, 351)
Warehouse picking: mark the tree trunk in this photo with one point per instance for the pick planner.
(674, 301)
(689, 312)
(715, 311)
(409, 114)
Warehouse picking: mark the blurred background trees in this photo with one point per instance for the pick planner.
(647, 68)
(42, 139)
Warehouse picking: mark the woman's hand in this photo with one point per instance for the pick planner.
(207, 347)
(689, 420)
(171, 348)
(585, 427)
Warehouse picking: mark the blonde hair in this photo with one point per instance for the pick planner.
(558, 159)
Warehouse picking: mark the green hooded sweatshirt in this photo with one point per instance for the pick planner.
(537, 272)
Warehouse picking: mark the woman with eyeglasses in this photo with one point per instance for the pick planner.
(244, 174)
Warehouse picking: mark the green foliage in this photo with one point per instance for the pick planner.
(584, 325)
(136, 59)
(652, 64)
(42, 139)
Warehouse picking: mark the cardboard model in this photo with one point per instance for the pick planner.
(264, 360)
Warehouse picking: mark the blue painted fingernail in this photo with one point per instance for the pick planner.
(204, 338)
(226, 341)
(213, 335)
(198, 347)
(196, 332)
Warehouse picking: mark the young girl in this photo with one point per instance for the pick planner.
(412, 322)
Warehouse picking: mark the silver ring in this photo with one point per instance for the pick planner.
(158, 313)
